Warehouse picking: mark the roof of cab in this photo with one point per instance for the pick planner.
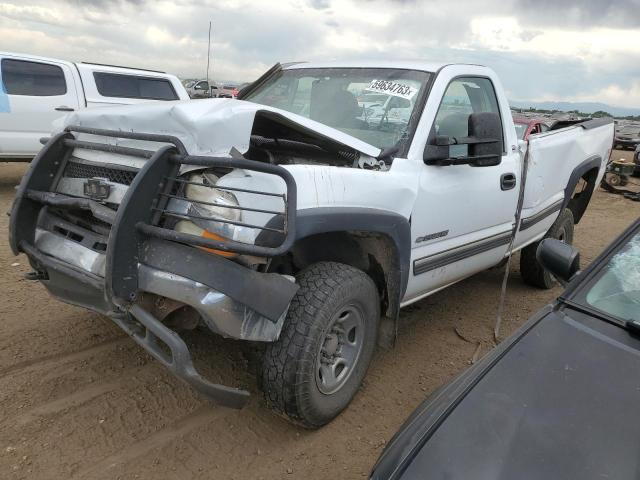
(398, 64)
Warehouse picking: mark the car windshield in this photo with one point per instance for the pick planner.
(616, 290)
(521, 129)
(375, 105)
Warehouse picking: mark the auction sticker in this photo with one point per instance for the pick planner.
(389, 87)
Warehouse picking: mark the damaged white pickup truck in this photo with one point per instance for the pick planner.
(303, 216)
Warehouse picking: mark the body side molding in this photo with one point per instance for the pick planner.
(461, 252)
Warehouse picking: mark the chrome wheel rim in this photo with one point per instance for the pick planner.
(340, 349)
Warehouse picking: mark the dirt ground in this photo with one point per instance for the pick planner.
(79, 399)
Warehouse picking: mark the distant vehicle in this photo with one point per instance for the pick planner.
(379, 109)
(636, 160)
(229, 91)
(627, 137)
(555, 400)
(36, 91)
(529, 126)
(203, 89)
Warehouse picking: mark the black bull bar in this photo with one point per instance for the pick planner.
(137, 237)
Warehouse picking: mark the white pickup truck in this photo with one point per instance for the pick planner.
(294, 218)
(36, 91)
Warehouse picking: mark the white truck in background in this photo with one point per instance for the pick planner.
(35, 91)
(292, 218)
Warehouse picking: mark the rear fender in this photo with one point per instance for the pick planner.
(577, 203)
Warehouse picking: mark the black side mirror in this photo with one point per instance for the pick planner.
(484, 142)
(558, 258)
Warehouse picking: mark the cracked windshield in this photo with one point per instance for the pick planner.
(376, 106)
(617, 292)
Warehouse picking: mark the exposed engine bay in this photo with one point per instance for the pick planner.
(276, 140)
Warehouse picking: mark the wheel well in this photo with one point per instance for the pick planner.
(581, 194)
(373, 253)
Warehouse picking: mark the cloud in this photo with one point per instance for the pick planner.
(320, 4)
(542, 50)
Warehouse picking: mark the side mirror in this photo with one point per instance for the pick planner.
(558, 258)
(484, 142)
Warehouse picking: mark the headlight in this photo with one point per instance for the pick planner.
(211, 200)
(203, 205)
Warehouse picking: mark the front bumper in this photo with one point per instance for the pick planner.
(111, 272)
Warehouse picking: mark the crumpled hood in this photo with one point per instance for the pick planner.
(206, 127)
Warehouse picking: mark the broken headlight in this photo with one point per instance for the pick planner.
(208, 210)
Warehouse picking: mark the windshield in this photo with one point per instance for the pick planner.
(375, 105)
(616, 290)
(521, 129)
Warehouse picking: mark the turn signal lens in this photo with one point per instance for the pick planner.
(213, 236)
(185, 226)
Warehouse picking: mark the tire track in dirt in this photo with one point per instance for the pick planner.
(79, 397)
(77, 355)
(199, 418)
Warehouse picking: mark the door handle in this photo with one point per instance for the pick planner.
(507, 181)
(63, 108)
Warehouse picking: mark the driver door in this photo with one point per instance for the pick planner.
(462, 219)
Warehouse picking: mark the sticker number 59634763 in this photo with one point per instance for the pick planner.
(396, 89)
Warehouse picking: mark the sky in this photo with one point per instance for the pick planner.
(544, 50)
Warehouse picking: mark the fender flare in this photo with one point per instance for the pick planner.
(312, 221)
(594, 161)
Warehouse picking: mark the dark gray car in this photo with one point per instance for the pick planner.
(557, 400)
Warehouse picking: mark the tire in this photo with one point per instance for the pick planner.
(291, 368)
(614, 179)
(531, 271)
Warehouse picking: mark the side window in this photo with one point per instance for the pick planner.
(463, 97)
(32, 78)
(544, 127)
(132, 86)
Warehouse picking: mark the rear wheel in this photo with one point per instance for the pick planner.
(531, 271)
(317, 365)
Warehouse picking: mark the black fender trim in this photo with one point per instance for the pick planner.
(312, 221)
(595, 161)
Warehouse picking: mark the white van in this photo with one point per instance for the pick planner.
(35, 91)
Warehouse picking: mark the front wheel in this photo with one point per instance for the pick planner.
(314, 369)
(532, 272)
